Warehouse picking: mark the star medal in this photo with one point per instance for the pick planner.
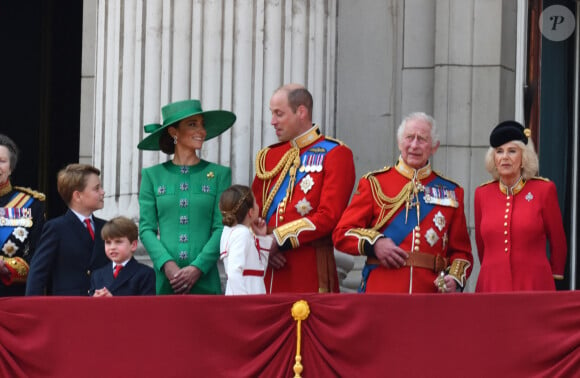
(439, 220)
(306, 184)
(303, 207)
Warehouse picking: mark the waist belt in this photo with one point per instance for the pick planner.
(436, 263)
(252, 272)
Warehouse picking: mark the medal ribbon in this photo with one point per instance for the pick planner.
(19, 201)
(398, 230)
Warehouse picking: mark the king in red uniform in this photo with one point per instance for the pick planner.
(302, 186)
(408, 220)
(515, 215)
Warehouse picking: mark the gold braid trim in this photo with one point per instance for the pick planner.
(458, 271)
(38, 195)
(18, 268)
(388, 203)
(362, 234)
(289, 162)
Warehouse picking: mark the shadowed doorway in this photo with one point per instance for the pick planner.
(41, 69)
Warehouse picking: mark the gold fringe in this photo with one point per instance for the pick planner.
(300, 311)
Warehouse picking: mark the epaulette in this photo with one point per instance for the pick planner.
(38, 195)
(488, 182)
(372, 173)
(446, 178)
(337, 141)
(539, 178)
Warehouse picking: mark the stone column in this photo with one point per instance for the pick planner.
(139, 55)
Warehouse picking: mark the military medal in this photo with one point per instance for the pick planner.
(306, 184)
(16, 216)
(303, 207)
(319, 163)
(303, 164)
(9, 248)
(20, 233)
(431, 237)
(439, 220)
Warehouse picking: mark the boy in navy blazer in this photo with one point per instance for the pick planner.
(70, 246)
(125, 276)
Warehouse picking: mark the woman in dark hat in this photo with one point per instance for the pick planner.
(515, 214)
(21, 221)
(180, 222)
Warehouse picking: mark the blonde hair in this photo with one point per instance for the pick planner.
(74, 178)
(530, 164)
(235, 203)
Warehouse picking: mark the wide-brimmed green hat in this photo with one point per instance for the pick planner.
(215, 121)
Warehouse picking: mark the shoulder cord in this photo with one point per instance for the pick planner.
(388, 203)
(289, 162)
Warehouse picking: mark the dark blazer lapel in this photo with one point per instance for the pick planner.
(97, 246)
(124, 275)
(108, 278)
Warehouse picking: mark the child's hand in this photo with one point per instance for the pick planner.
(259, 226)
(104, 292)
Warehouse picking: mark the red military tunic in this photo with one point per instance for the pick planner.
(303, 214)
(379, 208)
(511, 231)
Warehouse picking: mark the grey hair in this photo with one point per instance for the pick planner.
(421, 116)
(530, 164)
(12, 148)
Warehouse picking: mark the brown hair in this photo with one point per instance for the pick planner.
(298, 95)
(120, 227)
(166, 143)
(235, 202)
(73, 178)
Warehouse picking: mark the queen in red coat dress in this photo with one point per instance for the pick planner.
(515, 215)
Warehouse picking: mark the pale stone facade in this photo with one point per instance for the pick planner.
(367, 63)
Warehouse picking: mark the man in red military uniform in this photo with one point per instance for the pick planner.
(408, 220)
(302, 186)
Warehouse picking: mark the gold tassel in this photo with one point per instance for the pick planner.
(300, 311)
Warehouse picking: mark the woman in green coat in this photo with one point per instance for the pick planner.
(180, 223)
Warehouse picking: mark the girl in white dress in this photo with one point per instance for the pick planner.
(245, 262)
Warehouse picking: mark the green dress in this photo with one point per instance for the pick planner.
(180, 219)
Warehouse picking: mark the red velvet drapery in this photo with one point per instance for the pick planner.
(346, 335)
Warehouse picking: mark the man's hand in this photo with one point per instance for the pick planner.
(389, 254)
(276, 257)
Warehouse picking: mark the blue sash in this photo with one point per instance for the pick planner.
(6, 231)
(323, 144)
